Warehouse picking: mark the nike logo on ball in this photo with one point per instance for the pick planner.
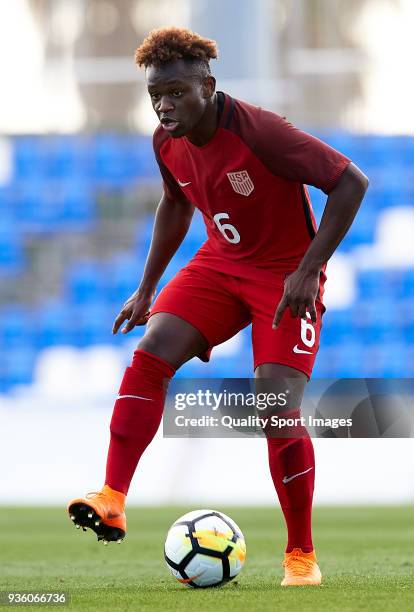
(184, 184)
(296, 349)
(287, 479)
(186, 580)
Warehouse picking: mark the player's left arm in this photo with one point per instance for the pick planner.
(301, 287)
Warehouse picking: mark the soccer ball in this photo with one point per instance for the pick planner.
(204, 548)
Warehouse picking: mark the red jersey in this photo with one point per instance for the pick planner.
(249, 183)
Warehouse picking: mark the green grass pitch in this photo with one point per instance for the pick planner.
(366, 556)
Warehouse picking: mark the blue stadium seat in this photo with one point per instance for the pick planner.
(18, 364)
(77, 204)
(390, 283)
(325, 362)
(120, 160)
(379, 362)
(370, 283)
(348, 359)
(28, 203)
(94, 322)
(123, 275)
(406, 153)
(86, 282)
(56, 324)
(404, 319)
(376, 150)
(390, 196)
(67, 157)
(392, 357)
(362, 231)
(374, 321)
(336, 326)
(16, 326)
(7, 202)
(109, 159)
(28, 157)
(51, 206)
(342, 360)
(11, 247)
(140, 157)
(405, 284)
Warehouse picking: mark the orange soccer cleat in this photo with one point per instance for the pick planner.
(301, 569)
(103, 512)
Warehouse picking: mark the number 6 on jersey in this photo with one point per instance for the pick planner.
(306, 327)
(234, 236)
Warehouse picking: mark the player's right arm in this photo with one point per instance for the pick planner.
(172, 220)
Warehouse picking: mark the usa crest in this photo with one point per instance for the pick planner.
(241, 182)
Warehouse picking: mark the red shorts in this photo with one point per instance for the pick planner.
(220, 305)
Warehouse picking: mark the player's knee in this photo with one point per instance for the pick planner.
(156, 343)
(167, 345)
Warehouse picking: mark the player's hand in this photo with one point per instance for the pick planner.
(301, 289)
(136, 311)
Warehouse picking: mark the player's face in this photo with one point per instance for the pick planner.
(179, 96)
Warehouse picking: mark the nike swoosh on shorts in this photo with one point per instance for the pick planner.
(296, 349)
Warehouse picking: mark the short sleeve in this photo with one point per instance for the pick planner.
(296, 155)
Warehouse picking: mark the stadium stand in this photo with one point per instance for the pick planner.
(59, 192)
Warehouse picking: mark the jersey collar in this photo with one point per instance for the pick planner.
(225, 109)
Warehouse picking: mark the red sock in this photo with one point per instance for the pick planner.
(136, 417)
(292, 466)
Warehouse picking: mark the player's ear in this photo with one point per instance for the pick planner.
(208, 86)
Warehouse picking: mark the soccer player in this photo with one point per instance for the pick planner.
(263, 263)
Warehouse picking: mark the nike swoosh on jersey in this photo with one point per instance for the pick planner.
(183, 184)
(296, 349)
(287, 479)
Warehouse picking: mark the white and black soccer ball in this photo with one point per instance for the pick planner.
(204, 548)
